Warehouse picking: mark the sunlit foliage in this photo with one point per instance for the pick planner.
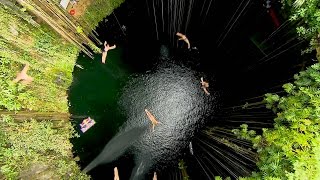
(307, 14)
(99, 9)
(291, 150)
(32, 150)
(51, 62)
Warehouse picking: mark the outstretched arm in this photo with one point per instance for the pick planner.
(23, 75)
(180, 34)
(184, 38)
(205, 90)
(187, 41)
(112, 47)
(17, 79)
(25, 69)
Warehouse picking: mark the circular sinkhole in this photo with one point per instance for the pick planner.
(236, 46)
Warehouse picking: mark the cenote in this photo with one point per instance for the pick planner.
(236, 46)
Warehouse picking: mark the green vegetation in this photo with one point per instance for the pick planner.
(307, 14)
(183, 169)
(38, 147)
(291, 150)
(31, 150)
(99, 9)
(51, 63)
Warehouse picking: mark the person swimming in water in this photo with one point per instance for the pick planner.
(152, 119)
(184, 38)
(154, 176)
(107, 47)
(23, 76)
(116, 174)
(204, 86)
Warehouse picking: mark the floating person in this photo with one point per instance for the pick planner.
(107, 47)
(23, 76)
(184, 38)
(79, 66)
(190, 148)
(116, 174)
(154, 176)
(152, 119)
(204, 86)
(87, 124)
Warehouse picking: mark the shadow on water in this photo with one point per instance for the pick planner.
(94, 92)
(116, 147)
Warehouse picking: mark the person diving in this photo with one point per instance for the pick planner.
(107, 47)
(152, 119)
(204, 86)
(23, 76)
(183, 38)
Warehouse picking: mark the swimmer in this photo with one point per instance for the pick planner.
(23, 76)
(204, 86)
(152, 119)
(105, 51)
(79, 66)
(116, 174)
(184, 38)
(154, 176)
(85, 122)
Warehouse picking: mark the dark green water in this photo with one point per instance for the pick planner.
(101, 90)
(116, 96)
(94, 92)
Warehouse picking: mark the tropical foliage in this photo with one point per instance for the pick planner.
(307, 14)
(99, 9)
(51, 62)
(33, 150)
(291, 150)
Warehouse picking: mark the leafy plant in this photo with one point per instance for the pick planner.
(98, 10)
(291, 150)
(31, 149)
(307, 13)
(51, 62)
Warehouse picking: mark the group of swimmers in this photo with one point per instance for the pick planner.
(107, 47)
(26, 79)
